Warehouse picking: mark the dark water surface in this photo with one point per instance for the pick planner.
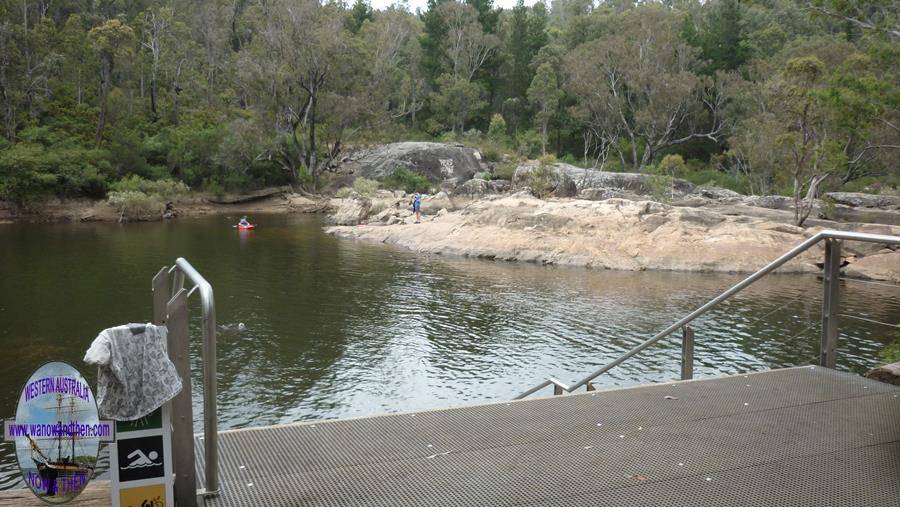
(337, 328)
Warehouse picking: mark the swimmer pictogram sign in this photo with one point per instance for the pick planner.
(141, 462)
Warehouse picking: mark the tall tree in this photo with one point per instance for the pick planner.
(544, 95)
(637, 79)
(110, 42)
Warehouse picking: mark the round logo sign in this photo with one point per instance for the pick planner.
(57, 432)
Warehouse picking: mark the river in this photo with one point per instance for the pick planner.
(336, 328)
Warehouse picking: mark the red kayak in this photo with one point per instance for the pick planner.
(246, 227)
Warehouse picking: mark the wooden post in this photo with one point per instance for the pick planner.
(182, 409)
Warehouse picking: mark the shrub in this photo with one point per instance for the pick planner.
(491, 154)
(661, 186)
(406, 180)
(672, 165)
(364, 186)
(497, 128)
(30, 171)
(547, 160)
(714, 177)
(504, 171)
(540, 180)
(343, 192)
(571, 159)
(891, 352)
(165, 190)
(528, 143)
(135, 205)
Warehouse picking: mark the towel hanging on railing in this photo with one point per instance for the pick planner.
(135, 375)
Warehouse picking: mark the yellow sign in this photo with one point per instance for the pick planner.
(143, 496)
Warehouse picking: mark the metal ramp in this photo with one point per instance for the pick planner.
(797, 436)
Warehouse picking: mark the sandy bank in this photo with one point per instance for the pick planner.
(614, 234)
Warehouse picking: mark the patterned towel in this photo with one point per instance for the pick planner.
(135, 375)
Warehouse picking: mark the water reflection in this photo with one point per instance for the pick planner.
(338, 328)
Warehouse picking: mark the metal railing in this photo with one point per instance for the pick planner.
(830, 305)
(170, 308)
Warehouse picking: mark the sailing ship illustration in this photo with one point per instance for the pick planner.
(66, 469)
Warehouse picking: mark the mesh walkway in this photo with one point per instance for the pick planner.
(797, 436)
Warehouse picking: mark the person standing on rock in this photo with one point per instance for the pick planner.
(416, 206)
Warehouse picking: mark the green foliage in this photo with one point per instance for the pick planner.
(136, 205)
(661, 186)
(166, 189)
(47, 163)
(497, 128)
(359, 14)
(505, 171)
(544, 95)
(672, 165)
(362, 186)
(406, 180)
(136, 198)
(716, 178)
(891, 352)
(219, 98)
(721, 37)
(528, 143)
(456, 101)
(541, 180)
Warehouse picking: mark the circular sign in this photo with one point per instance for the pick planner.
(57, 432)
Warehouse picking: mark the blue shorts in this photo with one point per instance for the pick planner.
(416, 206)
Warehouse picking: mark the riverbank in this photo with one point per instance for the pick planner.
(615, 234)
(87, 210)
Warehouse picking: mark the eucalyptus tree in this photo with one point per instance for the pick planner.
(467, 48)
(544, 94)
(640, 79)
(110, 41)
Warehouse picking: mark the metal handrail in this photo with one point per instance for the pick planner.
(182, 269)
(794, 252)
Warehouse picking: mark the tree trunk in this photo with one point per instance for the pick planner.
(311, 154)
(105, 76)
(544, 138)
(807, 204)
(154, 115)
(176, 90)
(647, 157)
(634, 157)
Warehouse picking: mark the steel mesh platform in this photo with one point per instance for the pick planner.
(798, 436)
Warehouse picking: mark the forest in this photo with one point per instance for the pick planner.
(759, 96)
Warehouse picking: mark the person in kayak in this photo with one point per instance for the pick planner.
(244, 222)
(416, 206)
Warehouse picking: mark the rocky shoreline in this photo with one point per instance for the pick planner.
(586, 218)
(611, 234)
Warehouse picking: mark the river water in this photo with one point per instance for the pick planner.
(336, 328)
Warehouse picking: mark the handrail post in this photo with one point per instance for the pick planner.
(182, 416)
(180, 271)
(831, 300)
(687, 353)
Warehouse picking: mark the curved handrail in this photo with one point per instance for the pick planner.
(768, 268)
(184, 269)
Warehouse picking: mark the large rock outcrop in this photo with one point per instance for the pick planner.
(435, 161)
(615, 233)
(884, 265)
(555, 181)
(860, 200)
(636, 183)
